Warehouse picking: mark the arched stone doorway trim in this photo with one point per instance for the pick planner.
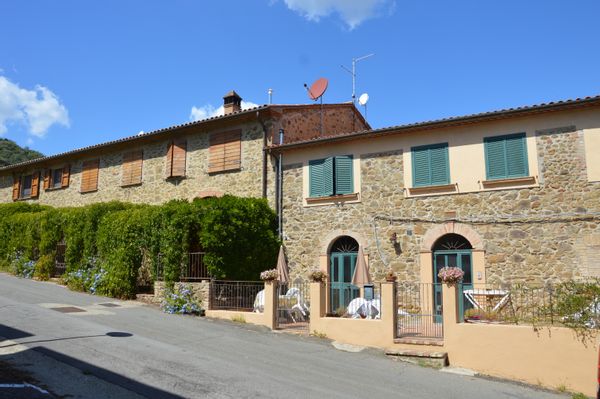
(209, 194)
(433, 234)
(330, 239)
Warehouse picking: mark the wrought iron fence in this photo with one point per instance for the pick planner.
(419, 310)
(354, 301)
(60, 267)
(293, 305)
(193, 269)
(246, 296)
(537, 305)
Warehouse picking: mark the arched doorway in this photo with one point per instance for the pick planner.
(341, 269)
(452, 250)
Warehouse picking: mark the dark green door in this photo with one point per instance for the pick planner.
(341, 272)
(452, 258)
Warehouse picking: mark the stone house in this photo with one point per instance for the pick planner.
(211, 157)
(508, 196)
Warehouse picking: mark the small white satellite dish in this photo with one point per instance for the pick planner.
(363, 99)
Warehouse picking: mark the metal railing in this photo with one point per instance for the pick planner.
(193, 269)
(293, 305)
(508, 304)
(354, 301)
(237, 295)
(419, 310)
(60, 267)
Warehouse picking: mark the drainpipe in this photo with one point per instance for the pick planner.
(280, 188)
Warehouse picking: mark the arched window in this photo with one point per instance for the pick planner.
(451, 242)
(344, 244)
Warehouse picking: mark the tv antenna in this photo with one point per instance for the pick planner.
(353, 73)
(315, 92)
(363, 100)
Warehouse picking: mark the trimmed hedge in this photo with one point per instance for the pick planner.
(106, 242)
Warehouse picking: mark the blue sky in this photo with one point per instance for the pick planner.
(75, 73)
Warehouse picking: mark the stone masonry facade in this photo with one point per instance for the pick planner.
(529, 235)
(299, 122)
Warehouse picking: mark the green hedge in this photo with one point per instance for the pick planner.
(105, 242)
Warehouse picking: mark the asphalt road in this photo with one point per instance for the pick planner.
(134, 351)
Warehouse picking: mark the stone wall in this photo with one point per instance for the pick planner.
(540, 234)
(200, 289)
(155, 188)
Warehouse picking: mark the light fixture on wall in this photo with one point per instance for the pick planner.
(394, 238)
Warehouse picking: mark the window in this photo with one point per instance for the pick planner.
(57, 178)
(89, 176)
(331, 176)
(506, 157)
(26, 183)
(430, 165)
(176, 155)
(132, 168)
(26, 186)
(225, 151)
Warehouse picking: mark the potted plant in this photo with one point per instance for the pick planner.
(451, 275)
(269, 275)
(390, 276)
(317, 276)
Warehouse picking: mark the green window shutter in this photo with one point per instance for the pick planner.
(420, 166)
(438, 163)
(516, 156)
(315, 178)
(430, 165)
(506, 156)
(327, 186)
(344, 181)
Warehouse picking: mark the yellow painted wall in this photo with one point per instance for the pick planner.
(466, 149)
(592, 153)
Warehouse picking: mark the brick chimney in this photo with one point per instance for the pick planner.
(232, 102)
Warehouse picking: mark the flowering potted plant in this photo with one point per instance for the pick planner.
(390, 276)
(451, 275)
(269, 275)
(317, 276)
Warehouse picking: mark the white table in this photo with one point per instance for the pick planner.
(488, 293)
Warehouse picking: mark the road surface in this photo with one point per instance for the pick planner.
(76, 345)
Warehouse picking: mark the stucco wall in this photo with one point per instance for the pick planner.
(536, 233)
(155, 189)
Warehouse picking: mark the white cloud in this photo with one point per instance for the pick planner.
(352, 12)
(208, 111)
(39, 108)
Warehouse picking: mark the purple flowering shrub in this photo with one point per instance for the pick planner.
(181, 300)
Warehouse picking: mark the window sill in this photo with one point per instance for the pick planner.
(131, 185)
(55, 188)
(332, 199)
(88, 191)
(439, 189)
(219, 171)
(517, 181)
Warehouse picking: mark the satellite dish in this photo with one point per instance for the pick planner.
(317, 89)
(363, 99)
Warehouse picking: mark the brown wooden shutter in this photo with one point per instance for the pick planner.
(66, 176)
(169, 161)
(47, 174)
(35, 185)
(176, 158)
(16, 187)
(89, 176)
(225, 151)
(132, 168)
